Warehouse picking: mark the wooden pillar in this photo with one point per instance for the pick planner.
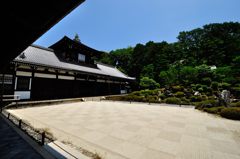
(109, 87)
(31, 82)
(2, 91)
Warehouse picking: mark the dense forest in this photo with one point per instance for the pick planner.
(204, 59)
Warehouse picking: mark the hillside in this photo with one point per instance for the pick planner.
(204, 59)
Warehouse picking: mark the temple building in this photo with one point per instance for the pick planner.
(67, 69)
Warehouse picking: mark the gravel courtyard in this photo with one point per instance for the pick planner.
(117, 130)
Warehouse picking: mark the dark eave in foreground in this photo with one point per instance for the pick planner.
(25, 21)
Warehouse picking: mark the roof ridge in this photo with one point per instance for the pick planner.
(97, 62)
(42, 47)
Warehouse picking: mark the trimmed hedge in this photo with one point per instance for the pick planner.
(237, 104)
(206, 104)
(173, 100)
(179, 94)
(214, 110)
(185, 101)
(231, 113)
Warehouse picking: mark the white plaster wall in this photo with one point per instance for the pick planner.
(23, 94)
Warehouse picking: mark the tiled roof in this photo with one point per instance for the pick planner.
(46, 57)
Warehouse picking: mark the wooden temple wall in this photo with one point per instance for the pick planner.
(39, 85)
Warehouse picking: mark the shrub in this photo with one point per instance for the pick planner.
(162, 96)
(214, 85)
(152, 99)
(173, 100)
(198, 105)
(200, 89)
(198, 86)
(211, 98)
(207, 81)
(148, 83)
(185, 101)
(237, 104)
(204, 97)
(214, 103)
(137, 93)
(196, 98)
(213, 110)
(116, 98)
(193, 86)
(176, 88)
(236, 91)
(225, 85)
(179, 94)
(209, 91)
(205, 88)
(136, 98)
(229, 79)
(231, 113)
(206, 104)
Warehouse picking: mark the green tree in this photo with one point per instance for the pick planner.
(148, 83)
(188, 75)
(148, 71)
(169, 77)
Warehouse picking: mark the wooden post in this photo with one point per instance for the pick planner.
(43, 138)
(20, 123)
(8, 115)
(2, 91)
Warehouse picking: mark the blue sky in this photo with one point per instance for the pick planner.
(112, 24)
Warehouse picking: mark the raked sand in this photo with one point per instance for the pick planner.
(117, 130)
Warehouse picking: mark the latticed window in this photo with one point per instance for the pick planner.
(7, 79)
(23, 83)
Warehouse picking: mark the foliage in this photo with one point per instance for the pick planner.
(231, 113)
(196, 98)
(168, 77)
(237, 104)
(204, 56)
(148, 71)
(185, 101)
(225, 85)
(214, 86)
(179, 94)
(148, 83)
(206, 104)
(213, 110)
(173, 100)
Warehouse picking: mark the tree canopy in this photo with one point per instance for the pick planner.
(202, 55)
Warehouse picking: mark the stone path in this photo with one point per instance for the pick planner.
(118, 130)
(12, 146)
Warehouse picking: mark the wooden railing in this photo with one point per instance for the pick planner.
(10, 98)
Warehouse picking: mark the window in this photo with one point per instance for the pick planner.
(7, 79)
(23, 83)
(81, 57)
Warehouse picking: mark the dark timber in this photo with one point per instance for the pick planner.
(25, 21)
